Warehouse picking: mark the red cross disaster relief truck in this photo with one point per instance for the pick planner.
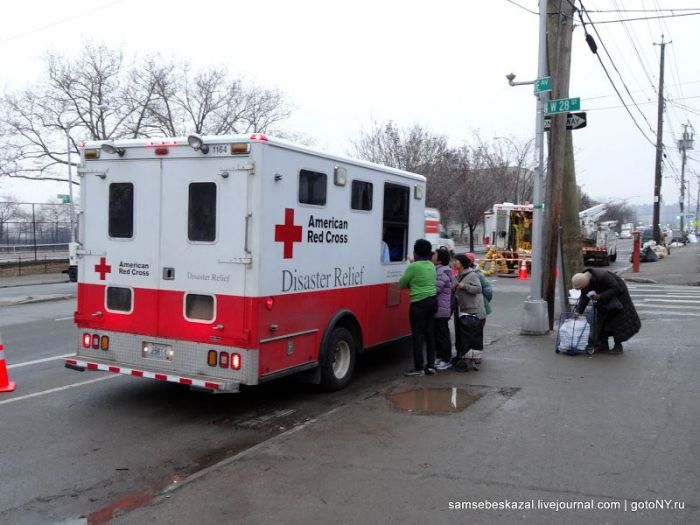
(216, 262)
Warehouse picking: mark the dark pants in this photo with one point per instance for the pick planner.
(468, 339)
(422, 317)
(600, 338)
(443, 342)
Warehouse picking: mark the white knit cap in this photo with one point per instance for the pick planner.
(580, 280)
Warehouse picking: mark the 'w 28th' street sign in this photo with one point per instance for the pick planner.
(563, 105)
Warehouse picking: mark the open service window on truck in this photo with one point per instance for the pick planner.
(228, 261)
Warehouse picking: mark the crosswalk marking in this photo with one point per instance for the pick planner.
(662, 301)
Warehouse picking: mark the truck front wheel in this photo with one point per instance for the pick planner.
(338, 361)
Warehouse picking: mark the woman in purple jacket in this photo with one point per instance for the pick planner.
(443, 284)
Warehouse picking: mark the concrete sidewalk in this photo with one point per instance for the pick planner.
(533, 429)
(681, 267)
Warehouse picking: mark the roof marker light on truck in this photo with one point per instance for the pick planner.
(240, 149)
(197, 144)
(258, 136)
(92, 154)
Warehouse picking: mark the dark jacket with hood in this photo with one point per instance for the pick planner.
(622, 323)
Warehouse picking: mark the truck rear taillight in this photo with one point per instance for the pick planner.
(224, 359)
(269, 303)
(95, 341)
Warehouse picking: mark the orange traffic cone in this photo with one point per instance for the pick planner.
(5, 384)
(522, 272)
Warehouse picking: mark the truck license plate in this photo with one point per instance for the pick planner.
(157, 351)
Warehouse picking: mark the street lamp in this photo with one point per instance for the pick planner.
(67, 128)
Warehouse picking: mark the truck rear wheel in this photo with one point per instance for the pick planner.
(338, 361)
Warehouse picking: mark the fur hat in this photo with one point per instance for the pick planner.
(580, 280)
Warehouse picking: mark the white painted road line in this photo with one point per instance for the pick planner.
(37, 361)
(64, 318)
(59, 389)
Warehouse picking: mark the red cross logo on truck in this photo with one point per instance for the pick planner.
(288, 233)
(103, 268)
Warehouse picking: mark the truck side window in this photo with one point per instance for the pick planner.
(395, 224)
(121, 210)
(361, 197)
(199, 307)
(201, 214)
(312, 187)
(119, 299)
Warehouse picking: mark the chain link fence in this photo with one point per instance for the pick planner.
(34, 237)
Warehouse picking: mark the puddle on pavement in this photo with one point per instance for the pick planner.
(426, 400)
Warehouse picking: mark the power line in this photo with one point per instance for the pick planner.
(618, 72)
(618, 20)
(523, 7)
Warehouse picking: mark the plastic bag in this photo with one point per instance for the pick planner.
(573, 334)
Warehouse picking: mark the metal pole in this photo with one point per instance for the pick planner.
(70, 187)
(34, 231)
(535, 318)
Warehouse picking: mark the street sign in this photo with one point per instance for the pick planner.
(63, 198)
(563, 105)
(542, 85)
(573, 121)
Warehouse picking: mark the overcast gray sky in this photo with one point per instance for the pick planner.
(441, 64)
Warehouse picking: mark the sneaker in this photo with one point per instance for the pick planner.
(413, 372)
(429, 371)
(442, 365)
(438, 363)
(615, 350)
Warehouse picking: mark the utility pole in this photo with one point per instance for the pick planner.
(684, 144)
(659, 146)
(560, 31)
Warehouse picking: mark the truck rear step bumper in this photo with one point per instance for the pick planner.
(195, 383)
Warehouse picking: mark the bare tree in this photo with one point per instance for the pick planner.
(99, 96)
(476, 189)
(412, 149)
(9, 211)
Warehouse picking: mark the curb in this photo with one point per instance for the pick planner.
(29, 299)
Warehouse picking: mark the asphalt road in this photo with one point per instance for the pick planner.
(75, 444)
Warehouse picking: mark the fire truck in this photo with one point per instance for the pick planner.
(508, 232)
(222, 261)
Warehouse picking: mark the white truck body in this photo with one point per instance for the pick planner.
(255, 259)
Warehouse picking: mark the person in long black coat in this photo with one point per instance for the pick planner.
(616, 315)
